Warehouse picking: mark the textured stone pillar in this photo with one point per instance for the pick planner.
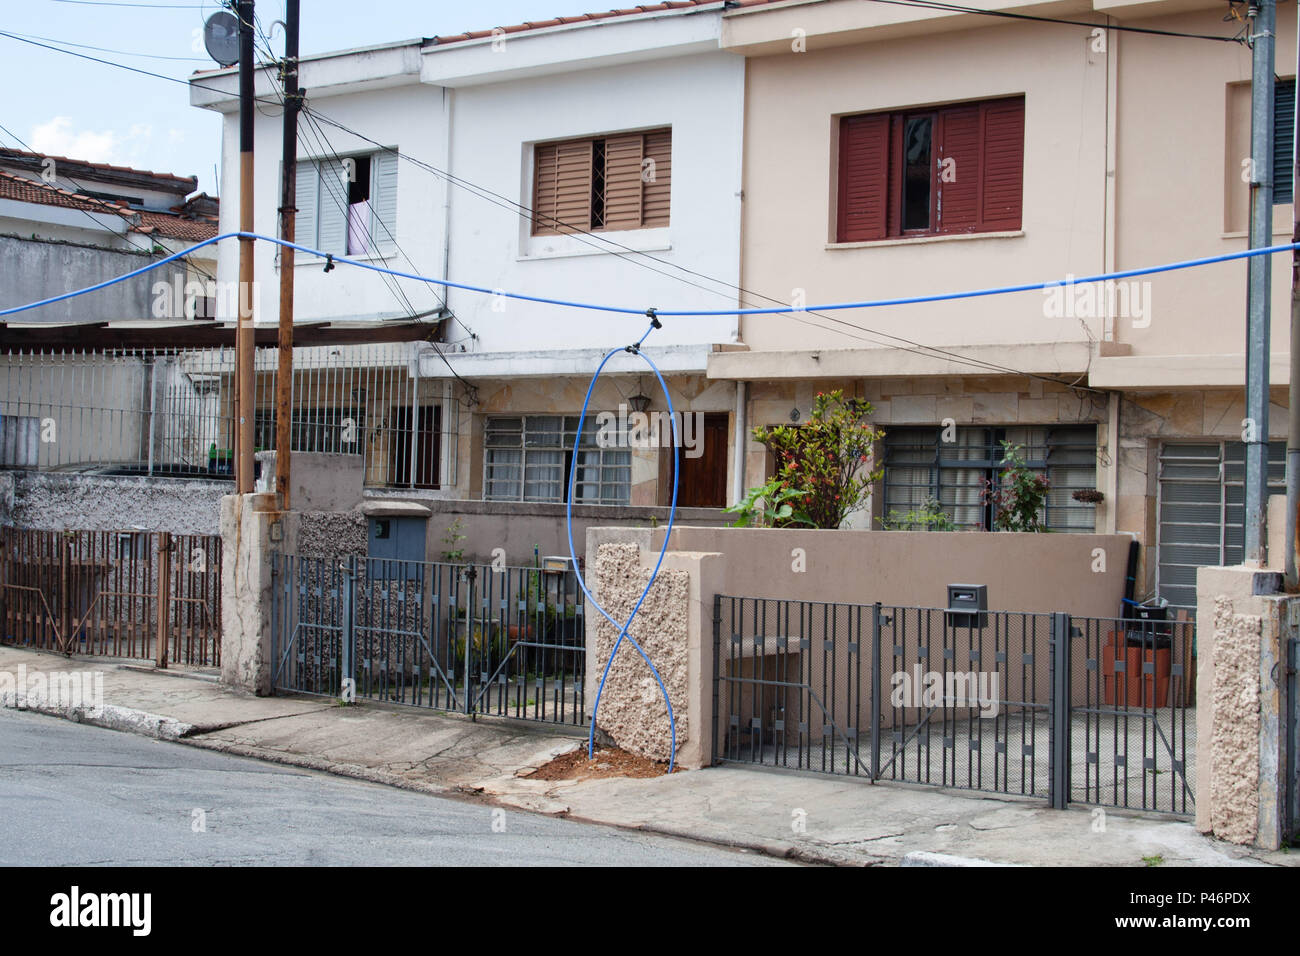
(1241, 636)
(246, 522)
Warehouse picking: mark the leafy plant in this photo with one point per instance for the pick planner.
(770, 506)
(1020, 494)
(827, 458)
(454, 539)
(930, 516)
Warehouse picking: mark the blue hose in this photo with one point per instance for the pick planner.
(623, 310)
(573, 556)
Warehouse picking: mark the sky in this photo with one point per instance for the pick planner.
(61, 105)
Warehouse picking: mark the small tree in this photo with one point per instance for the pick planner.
(1020, 495)
(827, 458)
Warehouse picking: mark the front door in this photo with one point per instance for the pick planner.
(703, 481)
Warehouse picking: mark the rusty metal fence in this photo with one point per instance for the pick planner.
(131, 594)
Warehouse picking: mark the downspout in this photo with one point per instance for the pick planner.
(741, 443)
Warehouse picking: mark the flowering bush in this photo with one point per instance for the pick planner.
(1020, 495)
(827, 459)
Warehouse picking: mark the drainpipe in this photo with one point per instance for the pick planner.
(741, 442)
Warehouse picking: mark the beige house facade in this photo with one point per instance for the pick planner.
(861, 119)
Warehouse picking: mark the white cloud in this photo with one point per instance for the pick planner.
(58, 138)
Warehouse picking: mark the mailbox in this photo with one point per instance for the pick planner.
(968, 605)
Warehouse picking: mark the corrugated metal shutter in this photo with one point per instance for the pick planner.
(1001, 192)
(959, 142)
(623, 184)
(1283, 134)
(332, 230)
(864, 173)
(307, 193)
(383, 198)
(656, 195)
(1201, 511)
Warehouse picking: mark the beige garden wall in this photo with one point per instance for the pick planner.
(1081, 574)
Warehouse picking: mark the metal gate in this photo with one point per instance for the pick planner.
(1020, 703)
(133, 594)
(475, 639)
(1292, 690)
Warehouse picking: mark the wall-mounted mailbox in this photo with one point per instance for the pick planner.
(968, 605)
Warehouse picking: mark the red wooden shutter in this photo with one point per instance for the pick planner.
(1002, 191)
(863, 178)
(894, 199)
(958, 168)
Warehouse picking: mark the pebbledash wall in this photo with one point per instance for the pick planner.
(32, 499)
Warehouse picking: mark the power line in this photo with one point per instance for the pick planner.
(143, 6)
(1007, 15)
(104, 49)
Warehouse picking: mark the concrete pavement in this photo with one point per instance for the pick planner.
(798, 816)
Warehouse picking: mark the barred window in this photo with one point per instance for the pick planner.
(528, 457)
(920, 465)
(335, 431)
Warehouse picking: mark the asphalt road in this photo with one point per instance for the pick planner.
(82, 796)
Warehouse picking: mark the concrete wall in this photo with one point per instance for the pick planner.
(55, 501)
(35, 269)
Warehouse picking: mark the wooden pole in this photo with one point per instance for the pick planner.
(288, 213)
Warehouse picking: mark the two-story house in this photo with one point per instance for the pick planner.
(895, 150)
(595, 159)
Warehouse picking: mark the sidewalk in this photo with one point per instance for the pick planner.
(800, 816)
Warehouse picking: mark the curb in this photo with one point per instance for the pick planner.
(926, 858)
(109, 716)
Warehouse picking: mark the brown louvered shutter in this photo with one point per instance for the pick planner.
(863, 178)
(623, 181)
(562, 187)
(1002, 191)
(958, 174)
(655, 196)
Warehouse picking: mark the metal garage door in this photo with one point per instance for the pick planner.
(1201, 511)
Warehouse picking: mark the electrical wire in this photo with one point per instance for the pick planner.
(1008, 15)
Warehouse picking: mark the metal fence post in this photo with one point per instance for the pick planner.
(877, 621)
(163, 596)
(717, 642)
(348, 639)
(1060, 710)
(471, 614)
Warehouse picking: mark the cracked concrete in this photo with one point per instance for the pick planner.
(803, 817)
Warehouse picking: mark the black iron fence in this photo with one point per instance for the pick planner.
(477, 639)
(1065, 708)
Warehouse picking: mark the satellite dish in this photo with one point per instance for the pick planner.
(221, 37)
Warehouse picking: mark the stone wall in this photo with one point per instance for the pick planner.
(56, 501)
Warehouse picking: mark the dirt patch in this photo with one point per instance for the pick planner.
(608, 762)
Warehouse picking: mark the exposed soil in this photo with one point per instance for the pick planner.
(608, 762)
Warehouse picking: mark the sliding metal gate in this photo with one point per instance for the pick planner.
(477, 639)
(1049, 705)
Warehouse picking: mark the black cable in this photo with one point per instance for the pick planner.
(1007, 15)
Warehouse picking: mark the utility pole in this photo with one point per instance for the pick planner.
(1262, 15)
(1293, 387)
(288, 212)
(244, 329)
